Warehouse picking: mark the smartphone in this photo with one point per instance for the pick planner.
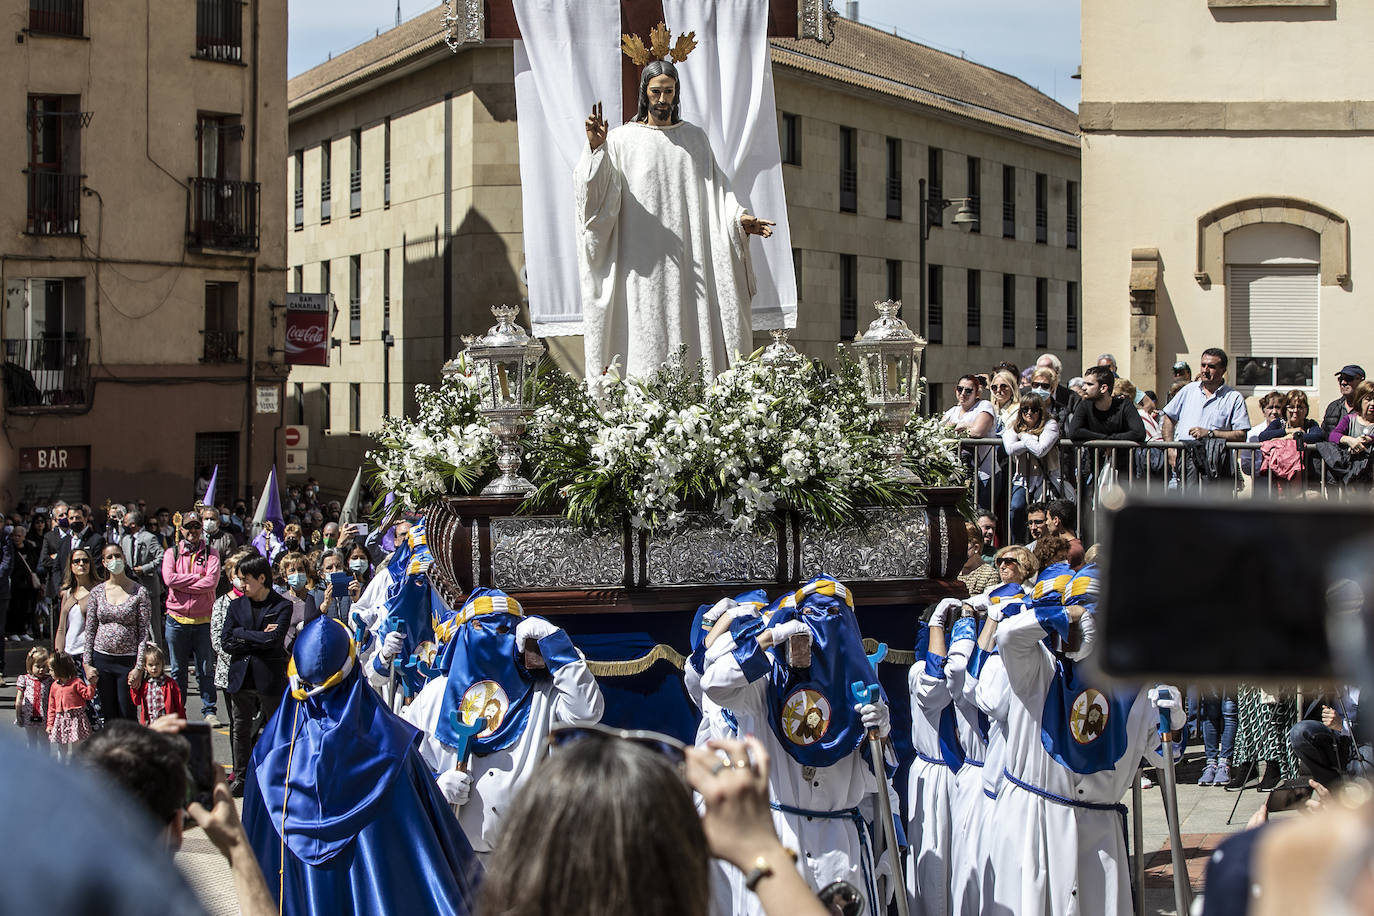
(340, 581)
(1221, 591)
(204, 774)
(360, 530)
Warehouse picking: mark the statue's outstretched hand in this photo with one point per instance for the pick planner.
(752, 225)
(596, 128)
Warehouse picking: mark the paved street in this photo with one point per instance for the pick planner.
(1204, 812)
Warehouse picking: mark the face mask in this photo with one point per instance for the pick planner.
(295, 579)
(1042, 392)
(237, 583)
(358, 566)
(292, 543)
(224, 519)
(64, 522)
(330, 542)
(211, 526)
(115, 565)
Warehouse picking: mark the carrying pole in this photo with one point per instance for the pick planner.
(866, 693)
(1183, 891)
(1138, 843)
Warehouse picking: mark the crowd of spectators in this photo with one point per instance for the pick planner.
(119, 613)
(1035, 480)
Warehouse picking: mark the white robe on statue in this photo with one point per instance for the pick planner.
(663, 257)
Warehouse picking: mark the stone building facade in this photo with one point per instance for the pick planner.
(142, 248)
(432, 236)
(1220, 138)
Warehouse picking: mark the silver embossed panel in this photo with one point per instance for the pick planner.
(704, 549)
(551, 552)
(890, 544)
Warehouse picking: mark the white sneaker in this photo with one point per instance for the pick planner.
(1145, 783)
(212, 720)
(24, 637)
(14, 639)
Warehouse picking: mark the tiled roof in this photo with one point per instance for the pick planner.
(860, 56)
(873, 59)
(395, 47)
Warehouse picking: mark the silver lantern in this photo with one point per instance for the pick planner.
(504, 361)
(889, 355)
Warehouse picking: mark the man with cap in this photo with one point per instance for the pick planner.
(1183, 372)
(339, 803)
(486, 672)
(1349, 379)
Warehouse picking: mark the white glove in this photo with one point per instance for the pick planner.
(720, 607)
(1088, 624)
(1166, 696)
(995, 611)
(787, 629)
(886, 881)
(456, 786)
(532, 628)
(942, 611)
(392, 646)
(364, 617)
(979, 602)
(875, 715)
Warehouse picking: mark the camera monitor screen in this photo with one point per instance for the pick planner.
(1222, 591)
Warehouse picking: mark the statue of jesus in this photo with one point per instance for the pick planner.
(664, 247)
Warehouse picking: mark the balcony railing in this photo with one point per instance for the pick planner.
(54, 203)
(47, 373)
(224, 214)
(219, 29)
(220, 347)
(57, 17)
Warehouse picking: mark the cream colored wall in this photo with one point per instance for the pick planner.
(484, 222)
(824, 233)
(1148, 191)
(1181, 50)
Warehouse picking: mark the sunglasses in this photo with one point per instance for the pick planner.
(80, 561)
(1006, 561)
(665, 745)
(1030, 409)
(964, 389)
(1002, 387)
(190, 526)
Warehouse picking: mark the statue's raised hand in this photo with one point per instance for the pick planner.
(752, 225)
(596, 128)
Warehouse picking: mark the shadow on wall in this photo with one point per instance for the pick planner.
(436, 314)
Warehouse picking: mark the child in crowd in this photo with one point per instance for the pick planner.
(68, 722)
(31, 697)
(158, 695)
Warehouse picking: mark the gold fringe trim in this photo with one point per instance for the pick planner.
(894, 656)
(639, 665)
(668, 654)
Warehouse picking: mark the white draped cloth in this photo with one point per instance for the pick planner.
(664, 258)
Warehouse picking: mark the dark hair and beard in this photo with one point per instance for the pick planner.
(659, 68)
(604, 826)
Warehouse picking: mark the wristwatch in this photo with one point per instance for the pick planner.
(1211, 434)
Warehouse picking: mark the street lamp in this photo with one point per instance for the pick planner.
(930, 210)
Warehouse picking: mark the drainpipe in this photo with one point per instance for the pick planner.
(249, 399)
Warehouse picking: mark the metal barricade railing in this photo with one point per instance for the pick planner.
(1156, 468)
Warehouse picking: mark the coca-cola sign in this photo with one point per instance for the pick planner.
(307, 329)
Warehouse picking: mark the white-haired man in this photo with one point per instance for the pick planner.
(1063, 400)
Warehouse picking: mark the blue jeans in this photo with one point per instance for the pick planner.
(1216, 712)
(184, 642)
(1019, 502)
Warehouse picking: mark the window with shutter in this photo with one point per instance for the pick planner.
(1272, 317)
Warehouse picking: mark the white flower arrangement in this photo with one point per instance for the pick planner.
(757, 439)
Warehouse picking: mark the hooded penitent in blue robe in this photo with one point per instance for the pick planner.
(338, 789)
